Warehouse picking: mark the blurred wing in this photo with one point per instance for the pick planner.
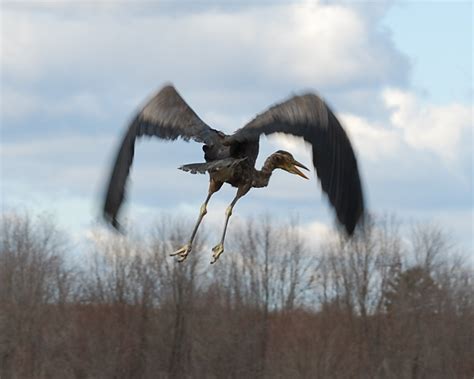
(309, 117)
(166, 116)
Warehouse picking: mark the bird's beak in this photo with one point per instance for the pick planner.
(294, 169)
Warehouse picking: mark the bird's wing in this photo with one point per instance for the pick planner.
(309, 117)
(166, 115)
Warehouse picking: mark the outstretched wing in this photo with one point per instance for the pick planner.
(166, 115)
(309, 117)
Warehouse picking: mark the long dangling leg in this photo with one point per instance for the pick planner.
(219, 249)
(183, 252)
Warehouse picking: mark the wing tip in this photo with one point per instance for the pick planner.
(350, 227)
(355, 219)
(167, 87)
(113, 222)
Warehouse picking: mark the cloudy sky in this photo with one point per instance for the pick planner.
(398, 74)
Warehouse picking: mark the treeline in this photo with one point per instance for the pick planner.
(273, 306)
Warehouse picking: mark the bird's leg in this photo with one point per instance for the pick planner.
(183, 252)
(219, 249)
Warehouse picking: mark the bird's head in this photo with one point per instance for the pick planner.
(284, 160)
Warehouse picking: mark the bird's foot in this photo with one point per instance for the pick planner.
(182, 253)
(217, 251)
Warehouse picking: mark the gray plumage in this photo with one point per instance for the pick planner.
(231, 158)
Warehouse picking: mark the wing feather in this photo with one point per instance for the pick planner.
(309, 117)
(167, 116)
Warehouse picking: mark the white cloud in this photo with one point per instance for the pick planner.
(372, 141)
(311, 44)
(315, 232)
(442, 129)
(330, 51)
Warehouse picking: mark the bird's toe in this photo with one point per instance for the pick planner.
(216, 252)
(182, 253)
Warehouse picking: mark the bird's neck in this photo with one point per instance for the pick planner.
(262, 177)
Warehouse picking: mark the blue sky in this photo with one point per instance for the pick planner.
(398, 74)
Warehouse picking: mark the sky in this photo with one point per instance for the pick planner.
(398, 74)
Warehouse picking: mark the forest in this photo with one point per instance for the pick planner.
(383, 304)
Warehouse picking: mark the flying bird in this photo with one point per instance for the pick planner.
(231, 158)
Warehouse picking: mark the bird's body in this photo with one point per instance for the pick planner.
(238, 172)
(231, 158)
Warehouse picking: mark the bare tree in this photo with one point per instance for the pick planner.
(377, 305)
(180, 287)
(35, 285)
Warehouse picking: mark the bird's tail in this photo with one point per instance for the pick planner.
(216, 165)
(195, 168)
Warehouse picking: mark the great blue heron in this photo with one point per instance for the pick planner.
(231, 158)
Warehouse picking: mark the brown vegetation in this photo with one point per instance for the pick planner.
(377, 306)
